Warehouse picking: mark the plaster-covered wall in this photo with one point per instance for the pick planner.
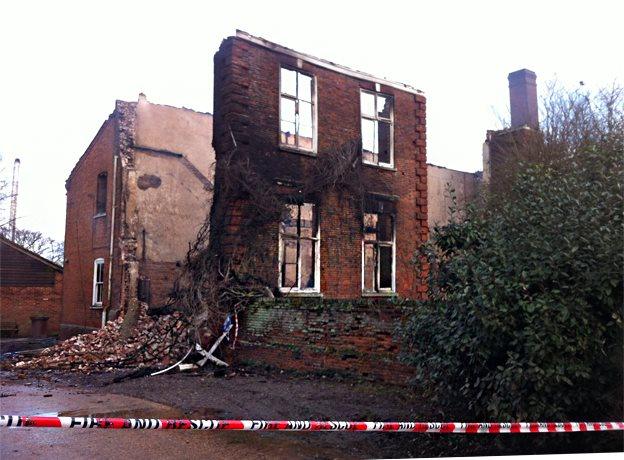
(172, 205)
(464, 184)
(172, 181)
(176, 130)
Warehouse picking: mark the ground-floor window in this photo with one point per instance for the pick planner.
(98, 282)
(299, 249)
(378, 253)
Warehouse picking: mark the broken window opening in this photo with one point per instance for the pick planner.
(297, 117)
(100, 195)
(98, 282)
(299, 249)
(377, 123)
(378, 253)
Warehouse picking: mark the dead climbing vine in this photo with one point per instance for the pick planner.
(221, 274)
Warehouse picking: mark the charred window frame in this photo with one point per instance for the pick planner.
(101, 194)
(297, 110)
(378, 253)
(377, 128)
(98, 283)
(299, 249)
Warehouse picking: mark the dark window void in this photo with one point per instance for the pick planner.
(100, 197)
(378, 247)
(299, 248)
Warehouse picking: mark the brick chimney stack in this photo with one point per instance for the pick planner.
(523, 98)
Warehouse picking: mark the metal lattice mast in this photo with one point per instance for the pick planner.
(14, 189)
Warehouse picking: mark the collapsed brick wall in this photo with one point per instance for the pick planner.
(358, 338)
(19, 303)
(504, 149)
(162, 194)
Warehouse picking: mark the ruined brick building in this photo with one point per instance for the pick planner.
(341, 268)
(135, 199)
(501, 146)
(283, 111)
(338, 262)
(500, 151)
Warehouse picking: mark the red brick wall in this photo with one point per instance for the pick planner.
(162, 276)
(19, 303)
(247, 103)
(87, 237)
(355, 337)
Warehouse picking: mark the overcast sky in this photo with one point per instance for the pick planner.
(63, 64)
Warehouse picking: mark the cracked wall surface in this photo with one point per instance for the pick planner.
(159, 163)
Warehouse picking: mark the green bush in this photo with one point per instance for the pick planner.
(524, 314)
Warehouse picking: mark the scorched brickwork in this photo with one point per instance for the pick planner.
(247, 118)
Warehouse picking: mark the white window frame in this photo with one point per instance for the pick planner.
(95, 303)
(377, 118)
(381, 291)
(296, 148)
(317, 260)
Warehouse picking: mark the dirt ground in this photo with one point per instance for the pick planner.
(260, 394)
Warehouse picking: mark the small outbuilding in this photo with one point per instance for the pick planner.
(30, 292)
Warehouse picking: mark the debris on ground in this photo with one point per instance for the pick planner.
(155, 342)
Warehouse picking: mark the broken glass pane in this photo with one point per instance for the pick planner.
(289, 220)
(287, 110)
(289, 263)
(384, 142)
(290, 251)
(306, 248)
(367, 103)
(305, 87)
(369, 157)
(289, 82)
(307, 220)
(370, 226)
(384, 106)
(287, 136)
(369, 267)
(385, 267)
(385, 227)
(287, 121)
(305, 125)
(369, 144)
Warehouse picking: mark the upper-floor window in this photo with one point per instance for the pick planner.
(377, 128)
(100, 195)
(297, 116)
(378, 253)
(299, 249)
(98, 282)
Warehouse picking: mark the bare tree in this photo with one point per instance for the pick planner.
(573, 121)
(36, 242)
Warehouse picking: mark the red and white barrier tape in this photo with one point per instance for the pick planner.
(284, 425)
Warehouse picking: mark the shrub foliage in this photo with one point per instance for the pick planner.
(524, 314)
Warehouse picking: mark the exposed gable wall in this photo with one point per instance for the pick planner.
(87, 236)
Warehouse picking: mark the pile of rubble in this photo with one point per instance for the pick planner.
(156, 342)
